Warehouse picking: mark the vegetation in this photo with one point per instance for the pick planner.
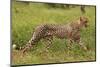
(25, 18)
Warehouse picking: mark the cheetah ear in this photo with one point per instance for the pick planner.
(81, 18)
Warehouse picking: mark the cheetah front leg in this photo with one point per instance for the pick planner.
(81, 44)
(77, 39)
(70, 42)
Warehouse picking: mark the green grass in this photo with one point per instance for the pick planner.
(26, 17)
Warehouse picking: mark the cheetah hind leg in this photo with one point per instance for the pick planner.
(48, 42)
(26, 48)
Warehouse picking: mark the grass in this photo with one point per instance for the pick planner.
(26, 17)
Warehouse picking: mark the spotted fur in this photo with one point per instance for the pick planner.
(70, 31)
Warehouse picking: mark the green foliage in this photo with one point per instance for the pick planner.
(54, 5)
(25, 18)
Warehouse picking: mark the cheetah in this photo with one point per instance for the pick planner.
(70, 31)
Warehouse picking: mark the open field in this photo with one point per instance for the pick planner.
(25, 17)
